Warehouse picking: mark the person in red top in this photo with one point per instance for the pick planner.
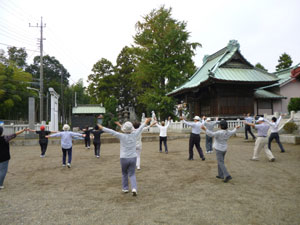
(43, 141)
(5, 154)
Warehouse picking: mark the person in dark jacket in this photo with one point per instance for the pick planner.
(97, 142)
(5, 154)
(43, 141)
(87, 139)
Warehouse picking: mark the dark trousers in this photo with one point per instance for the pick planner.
(43, 147)
(164, 140)
(97, 148)
(195, 140)
(65, 151)
(87, 142)
(276, 137)
(248, 129)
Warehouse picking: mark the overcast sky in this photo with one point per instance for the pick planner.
(79, 33)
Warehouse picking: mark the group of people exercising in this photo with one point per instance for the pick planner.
(131, 144)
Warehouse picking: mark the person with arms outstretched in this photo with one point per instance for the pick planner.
(128, 154)
(5, 153)
(66, 143)
(220, 145)
(43, 141)
(194, 137)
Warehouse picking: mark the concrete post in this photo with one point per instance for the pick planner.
(53, 125)
(31, 117)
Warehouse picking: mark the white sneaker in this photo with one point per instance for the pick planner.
(69, 165)
(89, 147)
(1, 187)
(42, 156)
(138, 168)
(64, 165)
(134, 192)
(98, 156)
(124, 191)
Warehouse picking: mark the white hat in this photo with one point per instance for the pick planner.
(197, 118)
(66, 127)
(208, 119)
(260, 119)
(127, 127)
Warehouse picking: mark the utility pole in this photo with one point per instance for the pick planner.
(62, 98)
(41, 26)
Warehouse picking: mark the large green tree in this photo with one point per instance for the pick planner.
(102, 81)
(75, 91)
(126, 86)
(13, 92)
(55, 75)
(284, 62)
(164, 59)
(17, 56)
(114, 83)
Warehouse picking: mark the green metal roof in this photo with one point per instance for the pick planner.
(267, 95)
(88, 109)
(283, 76)
(217, 66)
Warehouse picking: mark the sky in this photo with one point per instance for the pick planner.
(80, 33)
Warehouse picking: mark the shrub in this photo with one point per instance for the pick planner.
(294, 104)
(290, 127)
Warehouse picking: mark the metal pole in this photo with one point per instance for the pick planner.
(41, 73)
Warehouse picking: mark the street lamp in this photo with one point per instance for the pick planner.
(30, 88)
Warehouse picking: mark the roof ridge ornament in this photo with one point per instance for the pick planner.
(205, 57)
(233, 44)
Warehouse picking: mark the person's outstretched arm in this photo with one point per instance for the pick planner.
(185, 122)
(250, 124)
(140, 129)
(231, 132)
(209, 133)
(54, 135)
(110, 131)
(21, 131)
(118, 124)
(28, 129)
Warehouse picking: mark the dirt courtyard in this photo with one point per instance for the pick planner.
(171, 189)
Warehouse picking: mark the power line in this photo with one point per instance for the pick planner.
(19, 47)
(18, 40)
(12, 31)
(10, 11)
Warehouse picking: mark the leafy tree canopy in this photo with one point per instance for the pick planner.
(260, 66)
(101, 81)
(13, 92)
(164, 56)
(53, 70)
(284, 62)
(17, 56)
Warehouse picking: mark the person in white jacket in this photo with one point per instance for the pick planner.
(163, 134)
(220, 145)
(274, 132)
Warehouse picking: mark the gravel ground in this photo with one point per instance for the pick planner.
(171, 189)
